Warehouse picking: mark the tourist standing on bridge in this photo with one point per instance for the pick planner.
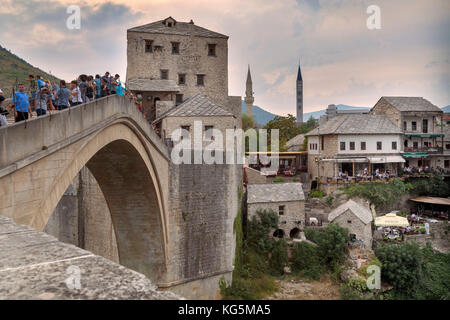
(119, 88)
(62, 96)
(83, 85)
(21, 104)
(107, 80)
(90, 88)
(42, 99)
(32, 87)
(75, 93)
(98, 86)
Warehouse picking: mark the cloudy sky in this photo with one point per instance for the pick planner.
(341, 59)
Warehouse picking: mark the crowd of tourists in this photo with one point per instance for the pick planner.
(42, 95)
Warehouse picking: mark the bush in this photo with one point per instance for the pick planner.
(306, 261)
(402, 267)
(278, 257)
(258, 230)
(332, 245)
(316, 193)
(434, 186)
(330, 200)
(278, 179)
(353, 289)
(247, 289)
(379, 194)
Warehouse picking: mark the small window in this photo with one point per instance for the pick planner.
(200, 79)
(352, 145)
(211, 49)
(406, 143)
(179, 98)
(413, 126)
(405, 125)
(363, 145)
(447, 146)
(281, 210)
(322, 143)
(175, 48)
(181, 78)
(415, 144)
(349, 221)
(148, 46)
(394, 145)
(164, 74)
(379, 145)
(209, 133)
(446, 164)
(342, 145)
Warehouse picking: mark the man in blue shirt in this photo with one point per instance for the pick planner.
(21, 104)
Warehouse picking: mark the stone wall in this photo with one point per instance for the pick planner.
(204, 204)
(382, 107)
(255, 177)
(82, 218)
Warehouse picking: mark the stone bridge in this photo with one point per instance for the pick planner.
(172, 223)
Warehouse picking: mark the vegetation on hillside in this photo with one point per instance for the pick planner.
(13, 67)
(383, 194)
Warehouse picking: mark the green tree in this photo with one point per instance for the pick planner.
(278, 257)
(332, 245)
(287, 127)
(248, 122)
(306, 261)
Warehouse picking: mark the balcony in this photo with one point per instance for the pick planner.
(429, 150)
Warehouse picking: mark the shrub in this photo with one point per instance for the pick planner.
(306, 262)
(278, 257)
(258, 230)
(402, 266)
(353, 289)
(278, 179)
(316, 193)
(330, 200)
(332, 245)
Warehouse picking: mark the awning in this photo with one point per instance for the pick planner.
(414, 155)
(391, 220)
(424, 135)
(394, 159)
(377, 159)
(432, 200)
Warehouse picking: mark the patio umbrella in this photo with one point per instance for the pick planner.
(391, 220)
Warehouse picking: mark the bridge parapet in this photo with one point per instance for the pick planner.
(39, 136)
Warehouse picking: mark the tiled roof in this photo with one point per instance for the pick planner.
(142, 84)
(360, 211)
(357, 124)
(196, 106)
(180, 28)
(296, 141)
(274, 192)
(411, 104)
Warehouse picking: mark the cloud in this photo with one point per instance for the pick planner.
(342, 61)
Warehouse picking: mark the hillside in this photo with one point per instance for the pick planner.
(262, 116)
(12, 67)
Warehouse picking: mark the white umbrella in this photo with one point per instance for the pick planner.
(391, 220)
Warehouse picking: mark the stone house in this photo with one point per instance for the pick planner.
(286, 199)
(296, 143)
(170, 61)
(195, 109)
(356, 218)
(421, 123)
(353, 142)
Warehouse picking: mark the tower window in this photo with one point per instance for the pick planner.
(164, 74)
(211, 49)
(175, 47)
(181, 78)
(148, 46)
(178, 98)
(200, 79)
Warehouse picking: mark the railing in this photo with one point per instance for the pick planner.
(424, 149)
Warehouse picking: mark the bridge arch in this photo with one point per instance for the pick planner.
(122, 163)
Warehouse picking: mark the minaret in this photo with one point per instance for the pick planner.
(249, 99)
(299, 96)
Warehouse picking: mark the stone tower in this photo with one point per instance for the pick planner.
(249, 99)
(299, 96)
